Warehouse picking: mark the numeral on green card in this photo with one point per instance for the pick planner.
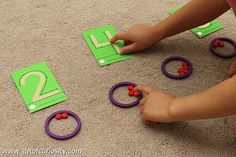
(38, 93)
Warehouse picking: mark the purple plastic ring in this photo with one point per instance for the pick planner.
(176, 58)
(213, 50)
(121, 105)
(57, 137)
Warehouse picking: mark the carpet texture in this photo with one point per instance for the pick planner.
(50, 30)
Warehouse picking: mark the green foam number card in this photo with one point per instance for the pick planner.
(38, 87)
(205, 29)
(104, 52)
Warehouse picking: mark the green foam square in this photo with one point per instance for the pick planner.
(107, 54)
(38, 87)
(202, 31)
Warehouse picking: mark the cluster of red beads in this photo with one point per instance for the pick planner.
(63, 115)
(132, 92)
(184, 69)
(218, 43)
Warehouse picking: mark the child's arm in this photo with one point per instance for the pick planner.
(216, 102)
(193, 14)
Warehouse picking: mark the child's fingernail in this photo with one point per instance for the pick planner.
(121, 51)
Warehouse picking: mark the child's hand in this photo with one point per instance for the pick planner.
(156, 105)
(138, 37)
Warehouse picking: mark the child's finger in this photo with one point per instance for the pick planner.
(147, 122)
(119, 36)
(127, 42)
(144, 118)
(128, 49)
(141, 110)
(142, 102)
(145, 89)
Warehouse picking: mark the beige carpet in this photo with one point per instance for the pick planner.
(35, 30)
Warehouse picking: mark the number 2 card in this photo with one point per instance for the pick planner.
(38, 87)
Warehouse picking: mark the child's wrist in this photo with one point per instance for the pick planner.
(159, 32)
(173, 110)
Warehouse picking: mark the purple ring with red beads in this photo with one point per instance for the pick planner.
(122, 105)
(176, 58)
(66, 137)
(218, 54)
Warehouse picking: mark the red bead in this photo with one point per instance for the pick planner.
(58, 116)
(180, 70)
(215, 44)
(130, 87)
(131, 93)
(186, 67)
(221, 44)
(185, 71)
(184, 64)
(64, 115)
(136, 93)
(181, 74)
(217, 41)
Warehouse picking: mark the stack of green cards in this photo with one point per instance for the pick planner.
(205, 29)
(38, 87)
(104, 52)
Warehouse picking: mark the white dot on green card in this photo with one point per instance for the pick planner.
(102, 61)
(32, 107)
(199, 33)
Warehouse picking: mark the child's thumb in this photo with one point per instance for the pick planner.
(119, 36)
(128, 49)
